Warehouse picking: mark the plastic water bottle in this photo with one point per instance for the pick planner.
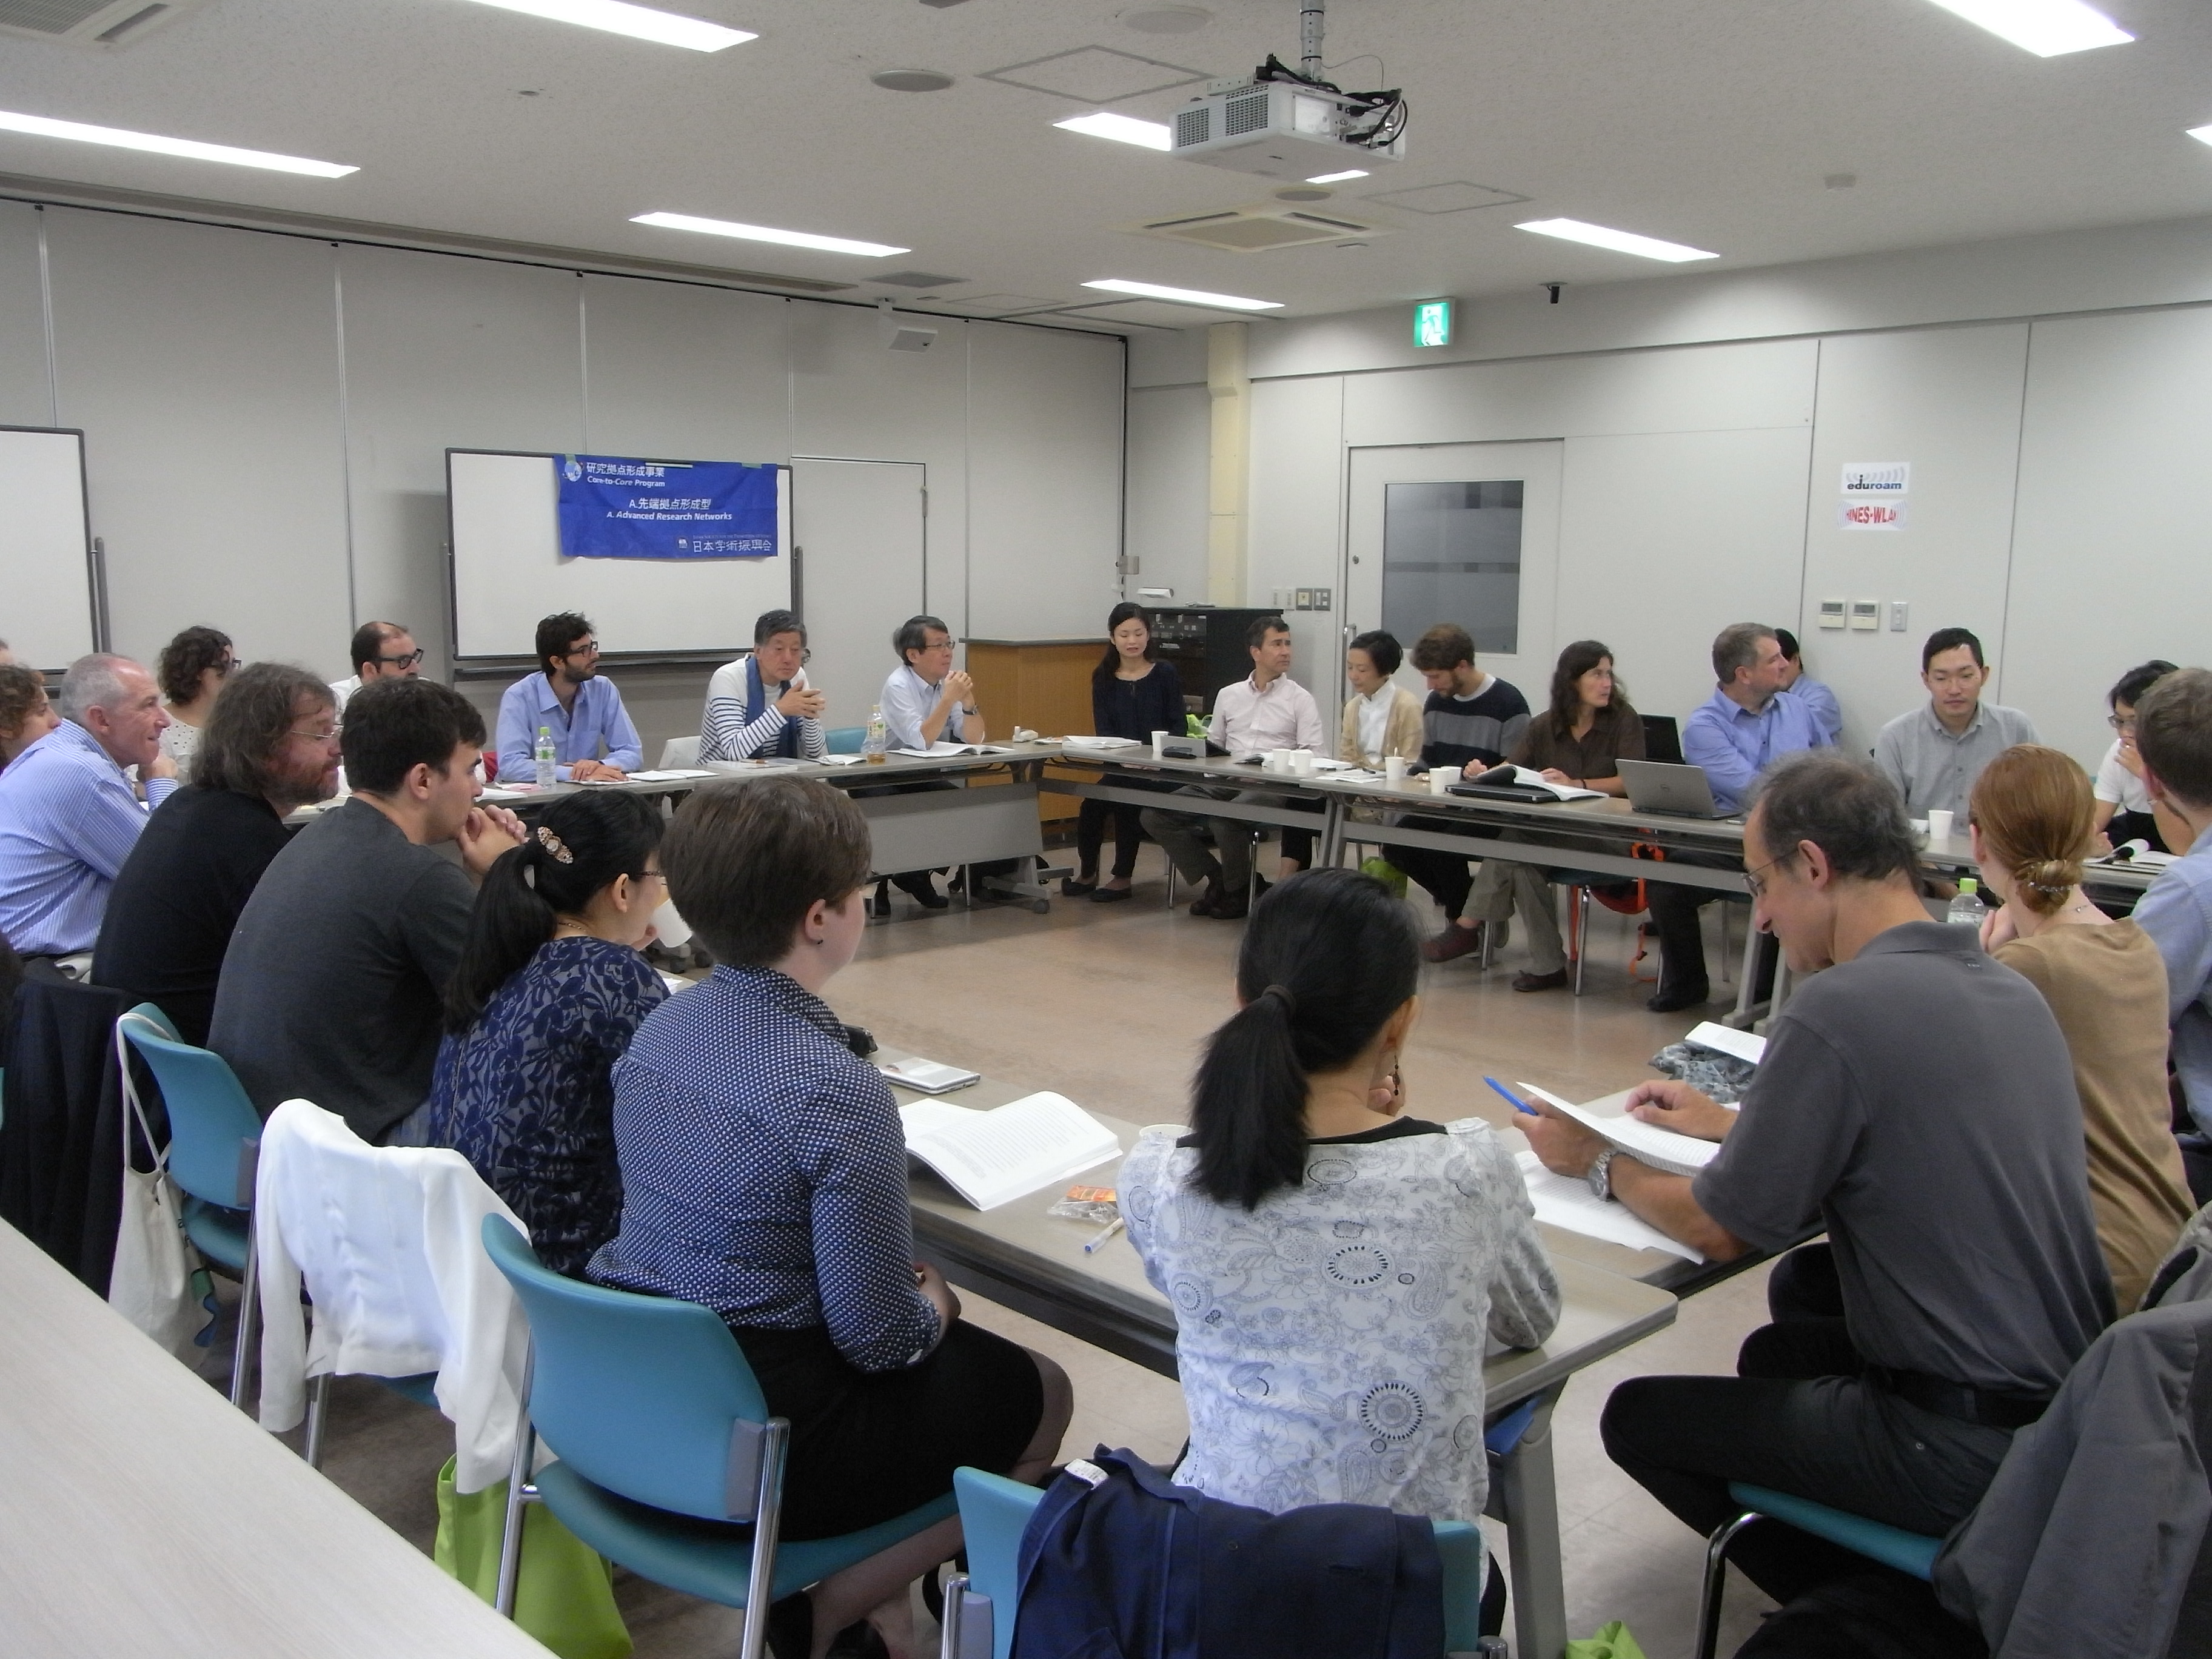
(547, 757)
(1967, 909)
(876, 746)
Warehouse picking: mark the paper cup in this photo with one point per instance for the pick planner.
(1442, 778)
(1160, 745)
(1279, 760)
(1939, 825)
(1301, 761)
(1394, 771)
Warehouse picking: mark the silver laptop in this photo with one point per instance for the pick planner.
(1659, 787)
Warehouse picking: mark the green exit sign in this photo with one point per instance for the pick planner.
(1432, 323)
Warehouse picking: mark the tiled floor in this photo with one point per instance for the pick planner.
(1108, 1005)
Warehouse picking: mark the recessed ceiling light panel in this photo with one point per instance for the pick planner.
(2201, 135)
(1619, 241)
(640, 22)
(766, 234)
(2048, 28)
(1189, 296)
(1121, 129)
(41, 127)
(1338, 177)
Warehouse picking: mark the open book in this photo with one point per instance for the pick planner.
(993, 1157)
(1522, 777)
(936, 749)
(1662, 1149)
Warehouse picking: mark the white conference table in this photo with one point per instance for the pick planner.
(143, 1514)
(1023, 1258)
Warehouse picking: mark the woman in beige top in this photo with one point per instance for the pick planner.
(2032, 818)
(1380, 718)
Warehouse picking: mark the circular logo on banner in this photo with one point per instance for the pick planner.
(571, 471)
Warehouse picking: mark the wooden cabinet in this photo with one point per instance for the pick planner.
(1044, 684)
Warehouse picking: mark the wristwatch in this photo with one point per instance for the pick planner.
(1600, 1175)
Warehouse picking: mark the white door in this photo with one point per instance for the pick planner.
(860, 529)
(1467, 533)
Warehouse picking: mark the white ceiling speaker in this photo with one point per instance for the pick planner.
(901, 336)
(911, 80)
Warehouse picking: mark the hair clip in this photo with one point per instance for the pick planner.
(554, 845)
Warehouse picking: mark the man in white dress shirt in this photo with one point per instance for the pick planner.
(1267, 710)
(925, 701)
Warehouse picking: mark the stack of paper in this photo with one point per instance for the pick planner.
(1662, 1149)
(671, 774)
(1101, 743)
(938, 748)
(1563, 1201)
(993, 1157)
(1747, 1046)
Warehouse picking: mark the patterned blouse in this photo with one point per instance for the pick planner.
(1331, 1341)
(764, 1171)
(526, 1094)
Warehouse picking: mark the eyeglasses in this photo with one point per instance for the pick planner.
(1751, 878)
(588, 648)
(407, 661)
(226, 666)
(331, 735)
(2123, 724)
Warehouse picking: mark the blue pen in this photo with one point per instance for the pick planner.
(1519, 1104)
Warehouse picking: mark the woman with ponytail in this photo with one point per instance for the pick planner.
(1337, 1269)
(549, 990)
(2033, 819)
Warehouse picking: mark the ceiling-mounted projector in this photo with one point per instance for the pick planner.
(1288, 122)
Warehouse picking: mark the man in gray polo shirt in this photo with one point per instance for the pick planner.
(1917, 1100)
(1934, 754)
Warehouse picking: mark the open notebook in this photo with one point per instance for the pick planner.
(993, 1157)
(1662, 1149)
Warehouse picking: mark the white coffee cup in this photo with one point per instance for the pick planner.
(1939, 824)
(1301, 761)
(1279, 760)
(1440, 778)
(1160, 745)
(1394, 771)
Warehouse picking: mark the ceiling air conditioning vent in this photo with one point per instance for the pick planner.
(1260, 227)
(87, 22)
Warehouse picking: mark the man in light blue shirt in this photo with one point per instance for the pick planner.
(1749, 722)
(592, 735)
(927, 699)
(1827, 713)
(2174, 736)
(68, 817)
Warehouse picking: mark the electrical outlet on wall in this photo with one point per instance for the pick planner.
(1324, 599)
(1897, 608)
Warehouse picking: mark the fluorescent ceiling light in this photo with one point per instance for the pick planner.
(2201, 135)
(39, 126)
(763, 233)
(2048, 28)
(641, 22)
(1189, 296)
(1621, 241)
(1338, 177)
(1121, 129)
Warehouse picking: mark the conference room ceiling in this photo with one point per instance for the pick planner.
(1721, 124)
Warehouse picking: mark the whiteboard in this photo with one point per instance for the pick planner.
(508, 572)
(45, 547)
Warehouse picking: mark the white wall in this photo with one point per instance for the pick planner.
(2055, 506)
(266, 418)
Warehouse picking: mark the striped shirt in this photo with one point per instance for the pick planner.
(763, 1172)
(68, 817)
(726, 735)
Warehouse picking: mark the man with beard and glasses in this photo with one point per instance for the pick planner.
(593, 737)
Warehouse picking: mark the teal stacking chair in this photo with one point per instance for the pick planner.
(994, 1512)
(668, 1462)
(1908, 1552)
(845, 739)
(215, 1136)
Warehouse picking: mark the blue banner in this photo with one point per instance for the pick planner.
(615, 509)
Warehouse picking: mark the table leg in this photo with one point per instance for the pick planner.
(1531, 1504)
(1332, 834)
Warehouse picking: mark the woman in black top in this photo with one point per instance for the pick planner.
(1131, 696)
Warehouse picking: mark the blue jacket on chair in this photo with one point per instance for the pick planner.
(1140, 1568)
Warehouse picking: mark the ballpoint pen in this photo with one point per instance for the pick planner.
(1519, 1104)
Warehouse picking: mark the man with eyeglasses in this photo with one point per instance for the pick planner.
(593, 740)
(381, 651)
(762, 704)
(271, 746)
(925, 701)
(1935, 754)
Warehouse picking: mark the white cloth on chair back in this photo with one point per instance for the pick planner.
(386, 1240)
(680, 752)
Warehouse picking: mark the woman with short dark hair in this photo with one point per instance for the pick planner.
(192, 669)
(1133, 694)
(763, 1172)
(549, 992)
(25, 715)
(1337, 1269)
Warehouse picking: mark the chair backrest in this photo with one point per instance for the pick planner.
(213, 1128)
(680, 752)
(995, 1512)
(646, 1396)
(845, 739)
